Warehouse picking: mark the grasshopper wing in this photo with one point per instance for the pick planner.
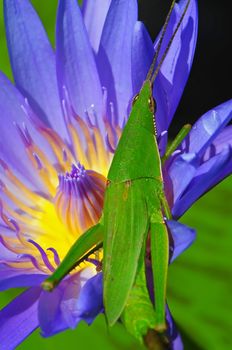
(125, 229)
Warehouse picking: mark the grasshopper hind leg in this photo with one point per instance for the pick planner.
(159, 258)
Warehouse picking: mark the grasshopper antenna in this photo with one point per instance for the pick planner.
(153, 77)
(149, 74)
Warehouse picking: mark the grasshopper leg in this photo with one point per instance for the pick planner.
(159, 257)
(77, 253)
(176, 142)
(165, 206)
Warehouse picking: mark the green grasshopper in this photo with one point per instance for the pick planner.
(134, 209)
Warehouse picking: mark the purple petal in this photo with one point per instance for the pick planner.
(142, 55)
(82, 299)
(207, 128)
(18, 278)
(177, 343)
(94, 17)
(76, 67)
(33, 62)
(173, 332)
(12, 147)
(49, 313)
(19, 318)
(186, 164)
(219, 143)
(114, 59)
(182, 235)
(207, 175)
(176, 67)
(5, 254)
(90, 301)
(60, 309)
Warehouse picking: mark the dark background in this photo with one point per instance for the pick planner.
(211, 76)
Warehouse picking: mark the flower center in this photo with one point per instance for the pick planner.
(40, 222)
(79, 198)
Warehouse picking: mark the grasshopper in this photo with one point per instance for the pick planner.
(134, 210)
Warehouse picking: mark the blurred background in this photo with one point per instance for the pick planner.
(199, 288)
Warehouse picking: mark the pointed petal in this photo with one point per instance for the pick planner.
(17, 278)
(114, 59)
(142, 55)
(19, 318)
(59, 309)
(82, 299)
(207, 128)
(76, 67)
(33, 62)
(49, 313)
(90, 301)
(5, 254)
(182, 235)
(11, 146)
(94, 18)
(207, 175)
(176, 67)
(224, 139)
(14, 114)
(173, 332)
(186, 164)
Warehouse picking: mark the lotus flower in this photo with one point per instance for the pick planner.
(60, 125)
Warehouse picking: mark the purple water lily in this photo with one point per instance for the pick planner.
(61, 122)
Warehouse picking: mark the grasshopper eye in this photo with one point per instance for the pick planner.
(152, 104)
(135, 99)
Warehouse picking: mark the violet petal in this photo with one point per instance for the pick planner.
(90, 301)
(114, 58)
(58, 310)
(19, 318)
(206, 129)
(49, 313)
(33, 62)
(17, 278)
(76, 67)
(12, 147)
(142, 55)
(173, 332)
(207, 175)
(223, 140)
(186, 164)
(182, 235)
(94, 18)
(175, 70)
(82, 299)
